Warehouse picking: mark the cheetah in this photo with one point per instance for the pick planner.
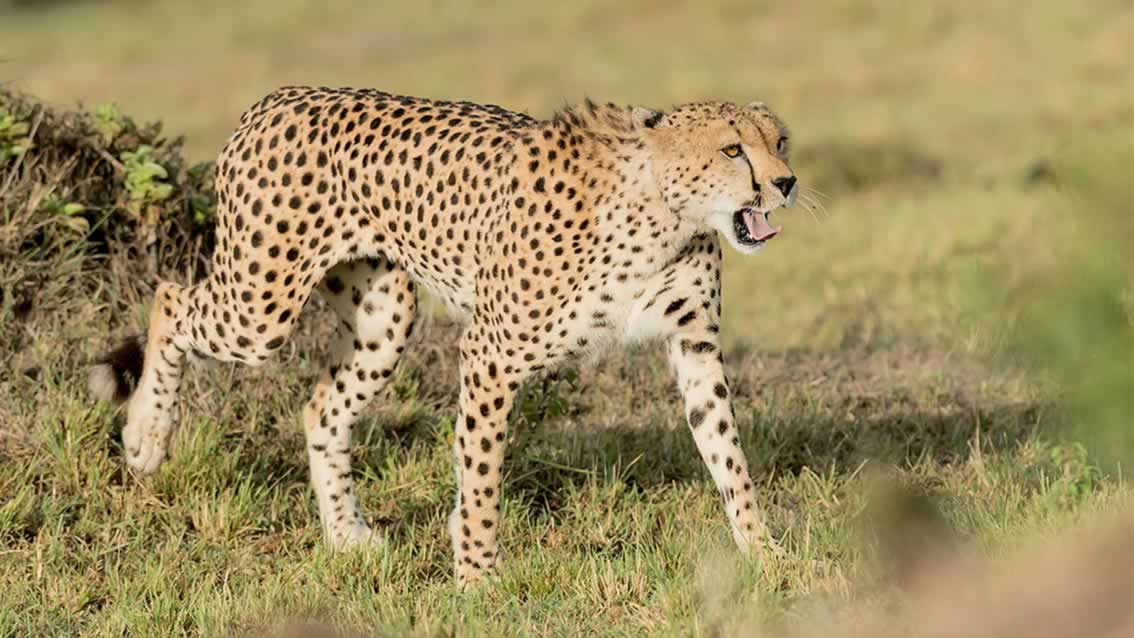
(552, 240)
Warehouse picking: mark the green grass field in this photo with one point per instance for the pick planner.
(956, 148)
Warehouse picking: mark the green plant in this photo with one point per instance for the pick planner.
(108, 122)
(13, 136)
(548, 397)
(144, 185)
(204, 208)
(66, 213)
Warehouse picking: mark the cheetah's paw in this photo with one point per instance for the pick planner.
(146, 438)
(355, 536)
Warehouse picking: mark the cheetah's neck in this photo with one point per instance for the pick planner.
(638, 229)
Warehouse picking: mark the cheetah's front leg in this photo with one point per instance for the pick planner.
(685, 309)
(695, 357)
(480, 437)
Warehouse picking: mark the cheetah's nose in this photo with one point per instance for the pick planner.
(785, 184)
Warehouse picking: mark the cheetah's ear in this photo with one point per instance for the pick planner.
(649, 118)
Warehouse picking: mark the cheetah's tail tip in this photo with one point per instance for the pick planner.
(114, 375)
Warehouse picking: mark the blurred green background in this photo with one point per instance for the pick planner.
(949, 144)
(929, 126)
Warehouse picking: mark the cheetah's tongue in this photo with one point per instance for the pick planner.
(758, 226)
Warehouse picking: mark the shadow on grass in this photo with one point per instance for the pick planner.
(623, 422)
(544, 464)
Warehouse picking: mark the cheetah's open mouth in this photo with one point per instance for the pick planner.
(752, 227)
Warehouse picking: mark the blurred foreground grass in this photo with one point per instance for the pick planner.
(976, 165)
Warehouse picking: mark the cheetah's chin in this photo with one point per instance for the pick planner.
(752, 227)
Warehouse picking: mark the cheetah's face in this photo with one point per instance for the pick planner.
(724, 167)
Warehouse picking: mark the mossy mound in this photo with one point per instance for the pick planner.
(90, 191)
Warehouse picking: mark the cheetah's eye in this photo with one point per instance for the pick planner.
(781, 146)
(732, 151)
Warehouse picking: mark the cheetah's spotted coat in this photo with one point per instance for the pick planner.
(552, 239)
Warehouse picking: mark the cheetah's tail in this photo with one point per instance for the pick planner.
(114, 375)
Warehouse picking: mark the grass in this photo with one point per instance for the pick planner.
(944, 138)
(609, 519)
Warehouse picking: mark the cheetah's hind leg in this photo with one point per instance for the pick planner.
(146, 371)
(375, 303)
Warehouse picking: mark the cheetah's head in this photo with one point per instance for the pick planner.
(722, 166)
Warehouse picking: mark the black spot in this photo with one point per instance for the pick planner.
(701, 347)
(653, 119)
